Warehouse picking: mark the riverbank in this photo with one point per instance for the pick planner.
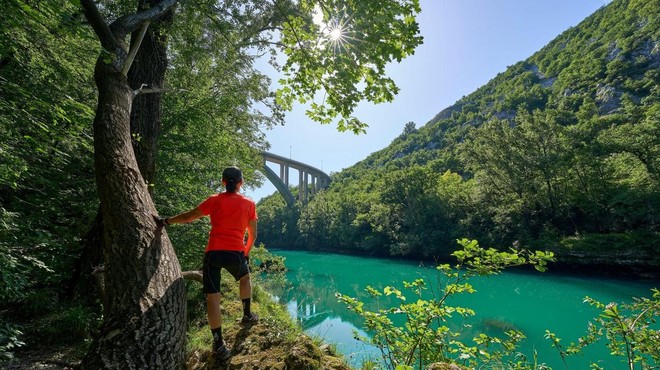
(624, 255)
(276, 342)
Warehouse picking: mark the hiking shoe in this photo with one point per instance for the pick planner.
(221, 352)
(252, 319)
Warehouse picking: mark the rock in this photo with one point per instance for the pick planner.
(608, 99)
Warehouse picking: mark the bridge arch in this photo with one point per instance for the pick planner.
(310, 179)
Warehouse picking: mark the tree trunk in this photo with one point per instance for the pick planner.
(148, 70)
(144, 322)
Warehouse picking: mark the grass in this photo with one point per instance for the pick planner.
(199, 335)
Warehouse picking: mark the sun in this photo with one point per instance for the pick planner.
(336, 34)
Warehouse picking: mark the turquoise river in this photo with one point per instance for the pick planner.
(528, 301)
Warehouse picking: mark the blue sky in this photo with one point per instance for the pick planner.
(466, 44)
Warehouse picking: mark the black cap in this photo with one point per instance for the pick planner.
(232, 174)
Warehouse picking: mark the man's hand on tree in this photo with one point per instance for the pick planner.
(161, 221)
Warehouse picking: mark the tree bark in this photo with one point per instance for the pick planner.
(144, 320)
(144, 317)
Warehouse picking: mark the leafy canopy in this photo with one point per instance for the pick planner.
(342, 55)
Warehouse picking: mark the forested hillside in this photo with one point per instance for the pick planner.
(561, 152)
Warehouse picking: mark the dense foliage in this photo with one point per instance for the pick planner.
(560, 150)
(46, 175)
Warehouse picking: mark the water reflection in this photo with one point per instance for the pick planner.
(306, 314)
(310, 300)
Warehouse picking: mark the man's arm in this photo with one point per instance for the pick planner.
(182, 218)
(252, 236)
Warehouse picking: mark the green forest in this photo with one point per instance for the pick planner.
(560, 152)
(115, 111)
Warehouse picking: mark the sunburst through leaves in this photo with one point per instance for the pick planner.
(334, 32)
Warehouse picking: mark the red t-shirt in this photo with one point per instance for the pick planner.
(230, 214)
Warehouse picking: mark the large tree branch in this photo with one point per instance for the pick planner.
(145, 89)
(112, 36)
(192, 275)
(131, 22)
(99, 25)
(134, 49)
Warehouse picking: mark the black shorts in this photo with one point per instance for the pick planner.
(233, 261)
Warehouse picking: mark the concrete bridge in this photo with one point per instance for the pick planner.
(310, 179)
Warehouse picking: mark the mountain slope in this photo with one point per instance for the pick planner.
(559, 151)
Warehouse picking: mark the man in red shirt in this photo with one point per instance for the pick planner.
(232, 214)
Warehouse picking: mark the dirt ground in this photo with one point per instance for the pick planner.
(51, 357)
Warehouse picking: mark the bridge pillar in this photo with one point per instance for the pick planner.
(284, 173)
(301, 176)
(306, 185)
